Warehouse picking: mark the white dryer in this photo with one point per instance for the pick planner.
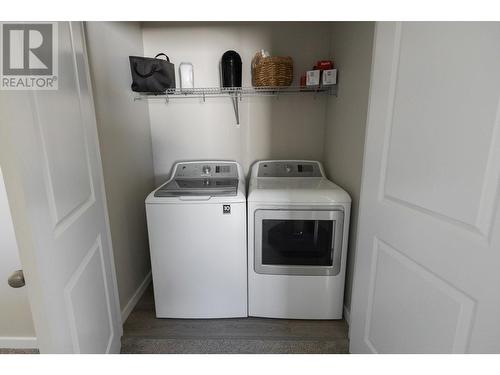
(197, 235)
(298, 225)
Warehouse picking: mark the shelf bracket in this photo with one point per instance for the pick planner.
(234, 98)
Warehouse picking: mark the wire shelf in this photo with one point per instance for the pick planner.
(236, 93)
(239, 91)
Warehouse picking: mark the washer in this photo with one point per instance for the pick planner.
(197, 234)
(298, 225)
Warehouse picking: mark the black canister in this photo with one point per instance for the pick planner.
(231, 69)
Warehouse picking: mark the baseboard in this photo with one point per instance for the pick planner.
(136, 297)
(347, 315)
(18, 343)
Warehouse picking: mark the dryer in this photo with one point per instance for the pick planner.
(298, 225)
(197, 234)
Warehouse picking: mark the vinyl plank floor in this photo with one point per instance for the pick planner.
(19, 351)
(144, 333)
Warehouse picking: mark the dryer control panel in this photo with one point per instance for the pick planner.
(289, 168)
(206, 170)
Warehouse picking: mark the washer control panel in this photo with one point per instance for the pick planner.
(206, 170)
(285, 168)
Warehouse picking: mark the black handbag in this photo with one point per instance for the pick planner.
(152, 74)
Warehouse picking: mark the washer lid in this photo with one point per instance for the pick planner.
(214, 187)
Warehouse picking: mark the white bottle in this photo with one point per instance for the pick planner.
(186, 75)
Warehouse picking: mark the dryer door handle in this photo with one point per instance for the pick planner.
(337, 242)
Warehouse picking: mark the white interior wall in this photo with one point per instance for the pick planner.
(16, 323)
(351, 48)
(125, 143)
(287, 127)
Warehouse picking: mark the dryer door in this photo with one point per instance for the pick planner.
(298, 242)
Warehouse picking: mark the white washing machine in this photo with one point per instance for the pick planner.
(298, 225)
(197, 235)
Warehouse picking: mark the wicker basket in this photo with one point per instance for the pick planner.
(272, 71)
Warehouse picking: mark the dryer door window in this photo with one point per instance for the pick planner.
(298, 242)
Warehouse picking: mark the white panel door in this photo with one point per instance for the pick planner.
(427, 264)
(60, 211)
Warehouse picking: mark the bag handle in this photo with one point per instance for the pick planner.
(162, 54)
(154, 68)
